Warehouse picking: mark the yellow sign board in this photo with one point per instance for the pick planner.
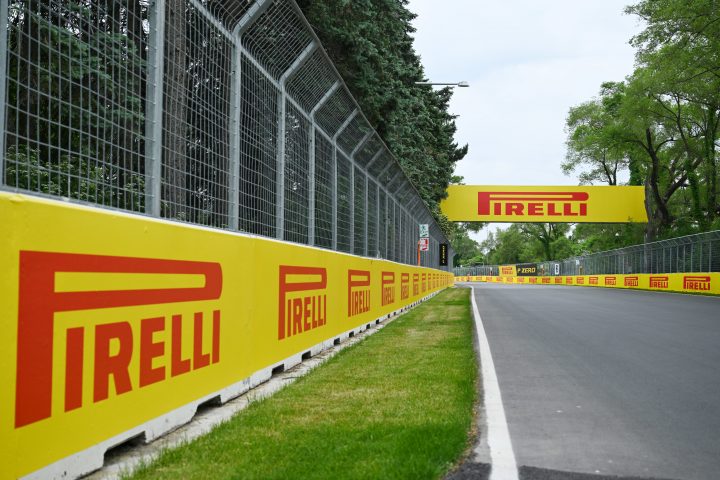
(703, 283)
(508, 270)
(111, 321)
(471, 203)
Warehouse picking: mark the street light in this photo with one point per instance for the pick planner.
(458, 84)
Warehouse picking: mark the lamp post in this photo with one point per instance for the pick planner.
(456, 84)
(432, 84)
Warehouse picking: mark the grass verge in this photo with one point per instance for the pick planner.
(397, 405)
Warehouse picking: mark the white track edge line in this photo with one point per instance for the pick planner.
(502, 458)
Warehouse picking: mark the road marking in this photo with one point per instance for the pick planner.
(502, 457)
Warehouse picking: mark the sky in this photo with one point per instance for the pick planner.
(528, 62)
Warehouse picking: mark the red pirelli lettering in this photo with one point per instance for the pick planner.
(700, 283)
(39, 302)
(404, 286)
(358, 282)
(298, 314)
(568, 204)
(388, 288)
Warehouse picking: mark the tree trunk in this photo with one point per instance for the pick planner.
(661, 211)
(711, 174)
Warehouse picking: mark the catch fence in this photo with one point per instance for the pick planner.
(693, 253)
(223, 113)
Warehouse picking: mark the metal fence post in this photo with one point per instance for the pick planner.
(236, 112)
(154, 108)
(282, 136)
(377, 218)
(365, 215)
(352, 207)
(280, 168)
(311, 187)
(3, 83)
(334, 198)
(357, 148)
(351, 190)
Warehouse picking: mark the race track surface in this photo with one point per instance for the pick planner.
(607, 382)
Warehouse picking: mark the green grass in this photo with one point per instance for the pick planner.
(397, 405)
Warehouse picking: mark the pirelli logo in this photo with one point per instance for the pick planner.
(568, 280)
(496, 203)
(580, 280)
(594, 281)
(507, 270)
(416, 284)
(358, 282)
(546, 280)
(660, 282)
(128, 354)
(405, 286)
(388, 288)
(632, 281)
(521, 279)
(610, 281)
(533, 204)
(558, 280)
(303, 300)
(698, 283)
(533, 280)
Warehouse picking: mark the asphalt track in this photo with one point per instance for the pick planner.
(606, 382)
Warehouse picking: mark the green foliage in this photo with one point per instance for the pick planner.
(466, 249)
(76, 126)
(74, 178)
(661, 124)
(528, 242)
(590, 237)
(402, 401)
(370, 43)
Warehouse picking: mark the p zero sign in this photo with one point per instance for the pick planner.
(466, 203)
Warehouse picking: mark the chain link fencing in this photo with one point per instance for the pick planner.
(227, 114)
(693, 253)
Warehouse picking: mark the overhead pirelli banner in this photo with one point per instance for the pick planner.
(472, 203)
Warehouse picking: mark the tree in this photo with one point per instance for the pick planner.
(371, 45)
(465, 248)
(551, 238)
(681, 47)
(75, 117)
(662, 122)
(597, 237)
(593, 142)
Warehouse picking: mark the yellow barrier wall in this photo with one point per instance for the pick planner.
(112, 320)
(707, 283)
